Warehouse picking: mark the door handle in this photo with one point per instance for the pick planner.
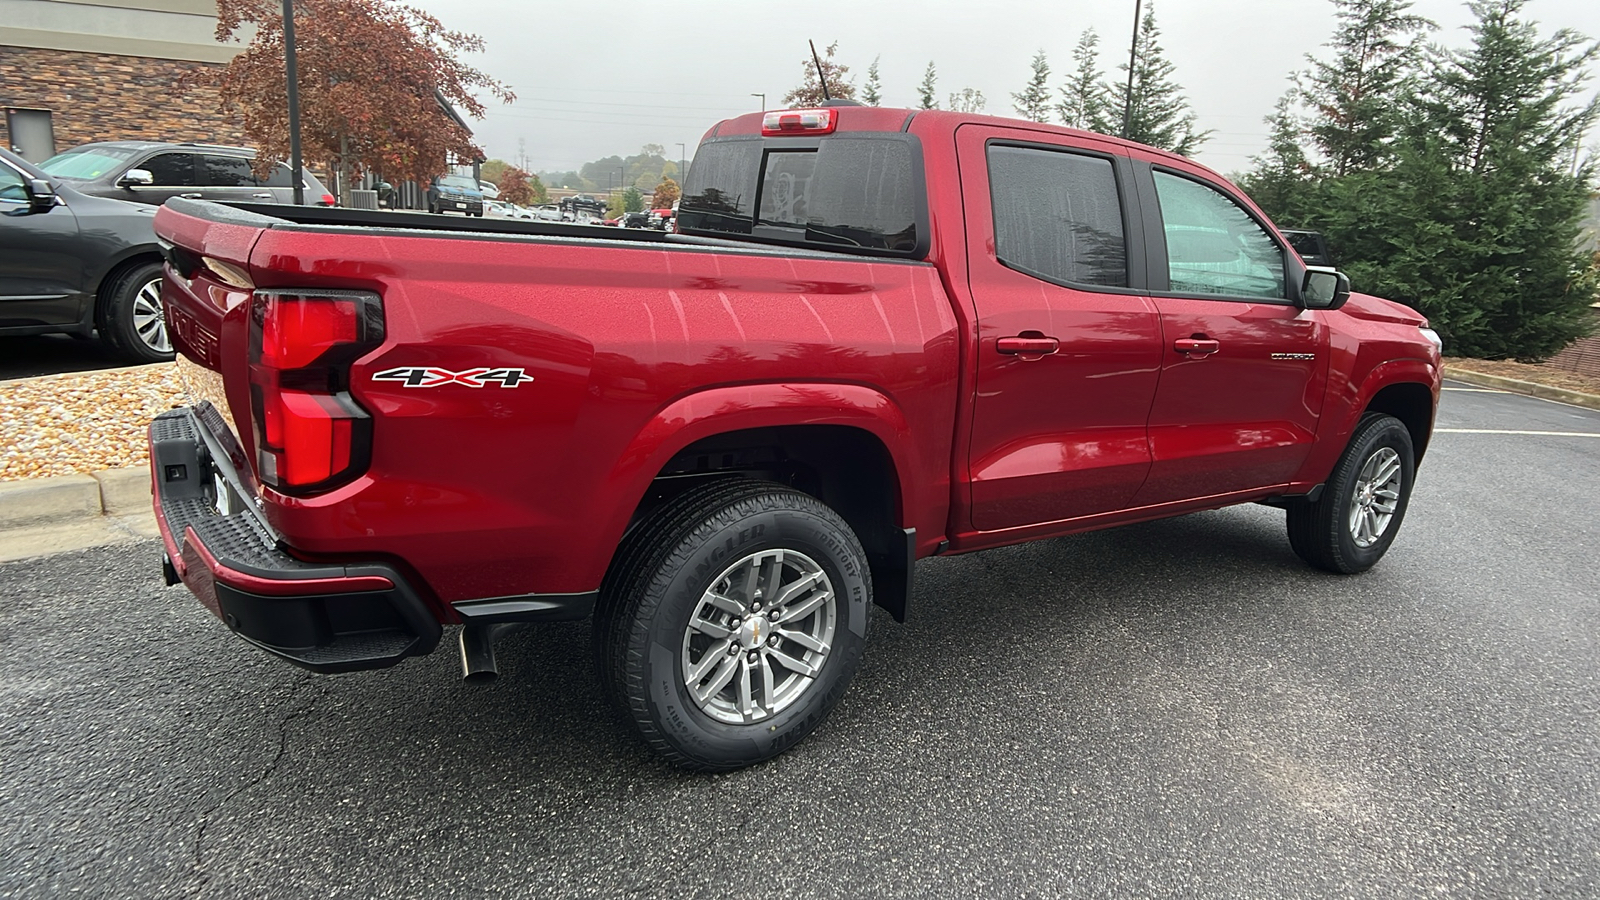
(264, 195)
(1029, 345)
(1196, 346)
(191, 196)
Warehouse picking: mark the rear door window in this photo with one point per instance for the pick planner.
(840, 191)
(1057, 216)
(226, 171)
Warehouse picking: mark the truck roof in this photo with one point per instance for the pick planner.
(883, 118)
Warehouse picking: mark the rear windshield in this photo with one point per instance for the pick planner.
(842, 191)
(87, 163)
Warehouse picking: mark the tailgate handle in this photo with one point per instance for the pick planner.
(1196, 346)
(195, 195)
(1028, 345)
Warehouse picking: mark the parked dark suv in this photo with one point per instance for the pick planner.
(75, 264)
(455, 193)
(150, 172)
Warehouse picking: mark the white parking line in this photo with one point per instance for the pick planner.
(1582, 434)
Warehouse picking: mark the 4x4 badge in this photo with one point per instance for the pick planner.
(431, 376)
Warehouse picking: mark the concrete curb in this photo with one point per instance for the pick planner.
(1517, 386)
(40, 516)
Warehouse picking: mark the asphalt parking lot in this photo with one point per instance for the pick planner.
(1173, 709)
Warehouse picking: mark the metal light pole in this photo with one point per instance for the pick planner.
(295, 165)
(1133, 52)
(763, 101)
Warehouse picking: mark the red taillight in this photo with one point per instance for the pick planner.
(327, 200)
(310, 434)
(799, 121)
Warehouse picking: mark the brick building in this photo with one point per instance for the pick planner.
(91, 70)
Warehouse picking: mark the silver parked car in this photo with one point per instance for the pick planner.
(152, 172)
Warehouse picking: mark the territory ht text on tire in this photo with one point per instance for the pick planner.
(1353, 522)
(732, 621)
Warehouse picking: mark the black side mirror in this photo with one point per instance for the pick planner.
(1324, 288)
(41, 195)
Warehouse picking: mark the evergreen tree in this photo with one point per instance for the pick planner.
(1281, 182)
(1158, 114)
(872, 94)
(1476, 223)
(925, 90)
(1033, 103)
(1083, 97)
(968, 101)
(809, 93)
(1355, 97)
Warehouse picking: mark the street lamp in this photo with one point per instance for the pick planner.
(293, 78)
(1133, 52)
(762, 96)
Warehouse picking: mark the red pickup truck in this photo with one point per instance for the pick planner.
(876, 336)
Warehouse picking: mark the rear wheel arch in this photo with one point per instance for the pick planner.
(847, 468)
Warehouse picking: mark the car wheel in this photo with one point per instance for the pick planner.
(732, 621)
(132, 319)
(1353, 522)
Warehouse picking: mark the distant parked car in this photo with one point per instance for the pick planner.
(1311, 245)
(500, 209)
(455, 193)
(78, 264)
(151, 172)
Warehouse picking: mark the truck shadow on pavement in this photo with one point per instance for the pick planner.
(546, 713)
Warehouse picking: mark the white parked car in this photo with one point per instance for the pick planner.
(500, 209)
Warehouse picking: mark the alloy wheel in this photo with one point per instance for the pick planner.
(759, 636)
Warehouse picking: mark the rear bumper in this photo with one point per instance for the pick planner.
(326, 617)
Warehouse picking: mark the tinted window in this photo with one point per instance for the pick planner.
(170, 169)
(1213, 245)
(1057, 215)
(851, 191)
(226, 171)
(279, 177)
(87, 163)
(720, 192)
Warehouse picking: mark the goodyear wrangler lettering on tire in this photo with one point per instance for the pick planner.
(740, 628)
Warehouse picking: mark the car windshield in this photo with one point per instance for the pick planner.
(457, 181)
(87, 163)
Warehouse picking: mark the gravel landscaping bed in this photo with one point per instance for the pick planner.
(82, 422)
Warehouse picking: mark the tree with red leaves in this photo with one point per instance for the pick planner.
(374, 78)
(517, 186)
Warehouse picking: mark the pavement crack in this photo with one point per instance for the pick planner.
(203, 878)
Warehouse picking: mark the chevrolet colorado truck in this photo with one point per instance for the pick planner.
(876, 336)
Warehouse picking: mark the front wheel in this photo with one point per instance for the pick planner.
(1355, 520)
(733, 621)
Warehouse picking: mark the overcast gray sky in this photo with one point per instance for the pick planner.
(599, 78)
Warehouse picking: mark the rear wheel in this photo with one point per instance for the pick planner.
(733, 621)
(132, 318)
(1355, 520)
